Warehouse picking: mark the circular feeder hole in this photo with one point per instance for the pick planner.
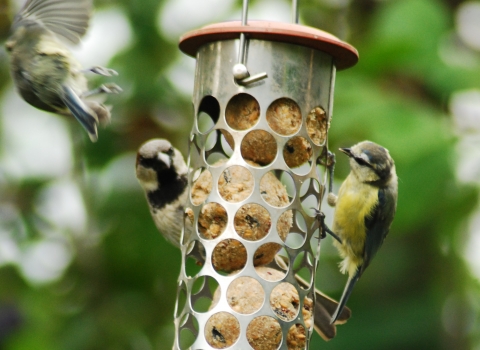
(277, 188)
(252, 222)
(245, 295)
(222, 330)
(202, 186)
(284, 301)
(208, 114)
(242, 112)
(235, 184)
(265, 253)
(297, 154)
(284, 116)
(188, 331)
(212, 221)
(270, 274)
(202, 299)
(229, 255)
(317, 126)
(260, 147)
(217, 148)
(264, 333)
(296, 337)
(297, 233)
(195, 251)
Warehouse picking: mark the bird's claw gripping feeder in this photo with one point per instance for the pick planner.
(263, 101)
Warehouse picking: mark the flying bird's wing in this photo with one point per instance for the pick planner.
(66, 18)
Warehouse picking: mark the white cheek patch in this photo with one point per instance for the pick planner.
(164, 159)
(365, 157)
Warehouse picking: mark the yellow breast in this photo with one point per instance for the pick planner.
(356, 200)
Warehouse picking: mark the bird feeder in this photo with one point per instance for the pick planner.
(263, 101)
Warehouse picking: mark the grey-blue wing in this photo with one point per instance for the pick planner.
(378, 224)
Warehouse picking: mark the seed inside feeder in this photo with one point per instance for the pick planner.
(252, 221)
(242, 112)
(212, 220)
(297, 151)
(264, 333)
(317, 126)
(259, 146)
(284, 116)
(247, 295)
(222, 330)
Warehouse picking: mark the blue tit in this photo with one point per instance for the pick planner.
(44, 72)
(162, 173)
(365, 208)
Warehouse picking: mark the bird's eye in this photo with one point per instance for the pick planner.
(361, 161)
(170, 151)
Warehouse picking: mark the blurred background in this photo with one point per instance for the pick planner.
(82, 265)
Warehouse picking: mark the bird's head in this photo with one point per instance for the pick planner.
(370, 163)
(156, 158)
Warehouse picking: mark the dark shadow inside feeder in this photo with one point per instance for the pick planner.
(208, 114)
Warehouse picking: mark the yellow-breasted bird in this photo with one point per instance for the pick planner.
(44, 72)
(365, 208)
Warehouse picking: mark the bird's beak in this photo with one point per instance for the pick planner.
(165, 159)
(347, 151)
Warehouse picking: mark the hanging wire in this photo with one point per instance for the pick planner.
(241, 55)
(295, 14)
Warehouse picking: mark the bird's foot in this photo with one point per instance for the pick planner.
(109, 88)
(106, 72)
(324, 229)
(329, 162)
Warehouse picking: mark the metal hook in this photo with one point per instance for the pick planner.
(240, 70)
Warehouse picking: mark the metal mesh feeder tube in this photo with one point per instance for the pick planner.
(255, 175)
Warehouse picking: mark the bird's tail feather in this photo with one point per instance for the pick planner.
(81, 112)
(323, 310)
(346, 294)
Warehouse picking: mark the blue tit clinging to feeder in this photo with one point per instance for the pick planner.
(365, 208)
(44, 72)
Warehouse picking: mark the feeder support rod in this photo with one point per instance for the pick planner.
(240, 70)
(241, 55)
(295, 11)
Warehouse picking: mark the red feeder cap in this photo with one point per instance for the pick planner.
(345, 55)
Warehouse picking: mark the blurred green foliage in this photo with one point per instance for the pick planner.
(119, 291)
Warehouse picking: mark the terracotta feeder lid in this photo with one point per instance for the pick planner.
(345, 55)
